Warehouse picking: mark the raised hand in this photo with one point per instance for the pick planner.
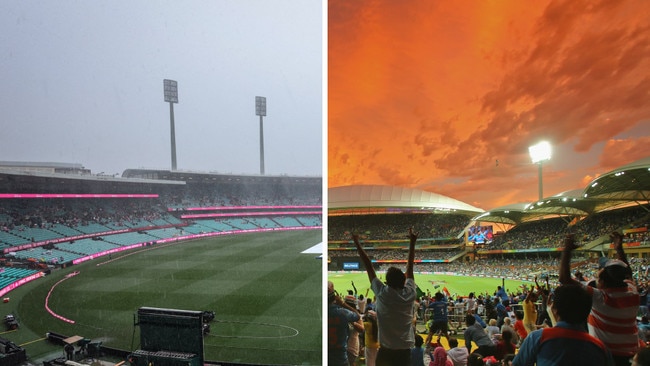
(570, 242)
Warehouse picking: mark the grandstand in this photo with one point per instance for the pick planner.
(617, 200)
(51, 220)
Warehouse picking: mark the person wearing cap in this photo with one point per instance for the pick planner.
(615, 301)
(394, 306)
(339, 317)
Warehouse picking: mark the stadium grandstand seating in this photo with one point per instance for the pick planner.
(527, 238)
(49, 220)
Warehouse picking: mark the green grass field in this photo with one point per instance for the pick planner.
(265, 293)
(461, 285)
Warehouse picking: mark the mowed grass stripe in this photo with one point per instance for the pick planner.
(254, 278)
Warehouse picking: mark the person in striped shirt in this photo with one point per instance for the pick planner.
(615, 301)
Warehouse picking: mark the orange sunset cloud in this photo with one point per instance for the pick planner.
(447, 96)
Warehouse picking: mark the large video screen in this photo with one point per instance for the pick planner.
(480, 234)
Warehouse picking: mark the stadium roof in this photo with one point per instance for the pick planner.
(393, 199)
(630, 182)
(626, 185)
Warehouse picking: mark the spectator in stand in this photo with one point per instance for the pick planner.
(615, 301)
(502, 313)
(519, 327)
(394, 307)
(369, 304)
(356, 328)
(493, 331)
(362, 301)
(440, 357)
(543, 317)
(644, 329)
(339, 317)
(502, 294)
(475, 359)
(457, 355)
(475, 333)
(530, 311)
(505, 346)
(417, 352)
(470, 303)
(479, 320)
(568, 343)
(439, 319)
(490, 310)
(507, 327)
(371, 339)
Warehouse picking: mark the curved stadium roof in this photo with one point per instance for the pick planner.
(630, 182)
(373, 197)
(624, 185)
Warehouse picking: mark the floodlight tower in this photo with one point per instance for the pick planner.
(171, 95)
(539, 153)
(260, 110)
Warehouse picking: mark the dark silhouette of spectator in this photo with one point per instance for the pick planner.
(568, 343)
(339, 317)
(475, 359)
(642, 358)
(615, 301)
(394, 306)
(501, 311)
(505, 346)
(354, 338)
(417, 352)
(69, 351)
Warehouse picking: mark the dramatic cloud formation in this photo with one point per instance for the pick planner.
(448, 96)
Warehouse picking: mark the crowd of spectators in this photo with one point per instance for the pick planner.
(34, 220)
(527, 266)
(21, 214)
(237, 194)
(395, 226)
(401, 254)
(549, 233)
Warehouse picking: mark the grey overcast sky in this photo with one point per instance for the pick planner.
(82, 82)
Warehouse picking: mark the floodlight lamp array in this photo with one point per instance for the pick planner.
(540, 152)
(170, 88)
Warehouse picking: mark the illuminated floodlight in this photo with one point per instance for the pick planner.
(540, 152)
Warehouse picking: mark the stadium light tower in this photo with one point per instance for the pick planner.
(260, 110)
(170, 88)
(539, 153)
